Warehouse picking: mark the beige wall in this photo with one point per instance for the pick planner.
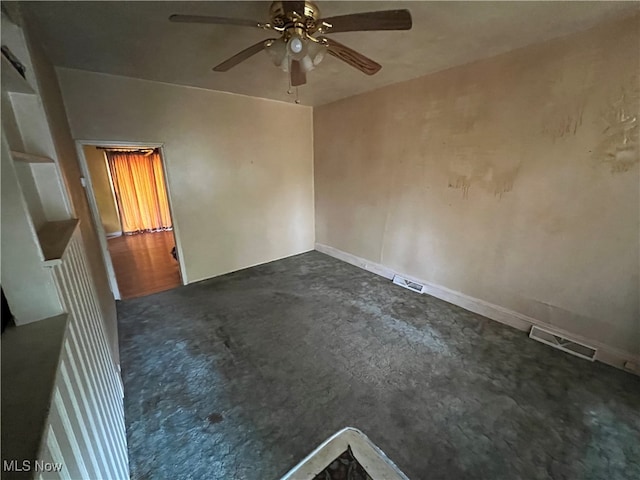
(513, 180)
(102, 189)
(67, 157)
(239, 169)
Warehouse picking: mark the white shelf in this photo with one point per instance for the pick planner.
(30, 157)
(12, 81)
(54, 238)
(30, 357)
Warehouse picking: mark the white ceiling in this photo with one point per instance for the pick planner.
(135, 39)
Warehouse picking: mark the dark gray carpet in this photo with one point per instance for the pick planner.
(241, 376)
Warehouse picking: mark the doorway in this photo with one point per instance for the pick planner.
(127, 192)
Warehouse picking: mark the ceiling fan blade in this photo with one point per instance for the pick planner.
(298, 77)
(242, 56)
(359, 22)
(213, 20)
(353, 58)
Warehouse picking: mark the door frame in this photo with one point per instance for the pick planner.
(95, 213)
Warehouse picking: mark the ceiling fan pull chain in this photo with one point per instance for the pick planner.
(297, 96)
(289, 90)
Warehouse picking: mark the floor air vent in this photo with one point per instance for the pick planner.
(403, 282)
(562, 343)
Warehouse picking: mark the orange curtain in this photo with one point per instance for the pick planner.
(140, 191)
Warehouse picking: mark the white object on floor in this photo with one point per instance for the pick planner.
(372, 459)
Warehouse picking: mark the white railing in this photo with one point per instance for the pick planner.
(86, 430)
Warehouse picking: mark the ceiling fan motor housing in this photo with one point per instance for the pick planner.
(299, 15)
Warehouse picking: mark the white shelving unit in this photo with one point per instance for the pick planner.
(37, 218)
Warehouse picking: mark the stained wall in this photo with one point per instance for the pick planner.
(513, 180)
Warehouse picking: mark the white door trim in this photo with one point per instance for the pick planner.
(95, 215)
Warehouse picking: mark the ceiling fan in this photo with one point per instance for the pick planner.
(302, 45)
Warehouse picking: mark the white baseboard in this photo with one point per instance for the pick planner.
(114, 234)
(606, 354)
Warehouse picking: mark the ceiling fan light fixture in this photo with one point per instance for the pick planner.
(297, 47)
(307, 64)
(277, 50)
(307, 52)
(317, 51)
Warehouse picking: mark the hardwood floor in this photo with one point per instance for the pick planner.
(143, 263)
